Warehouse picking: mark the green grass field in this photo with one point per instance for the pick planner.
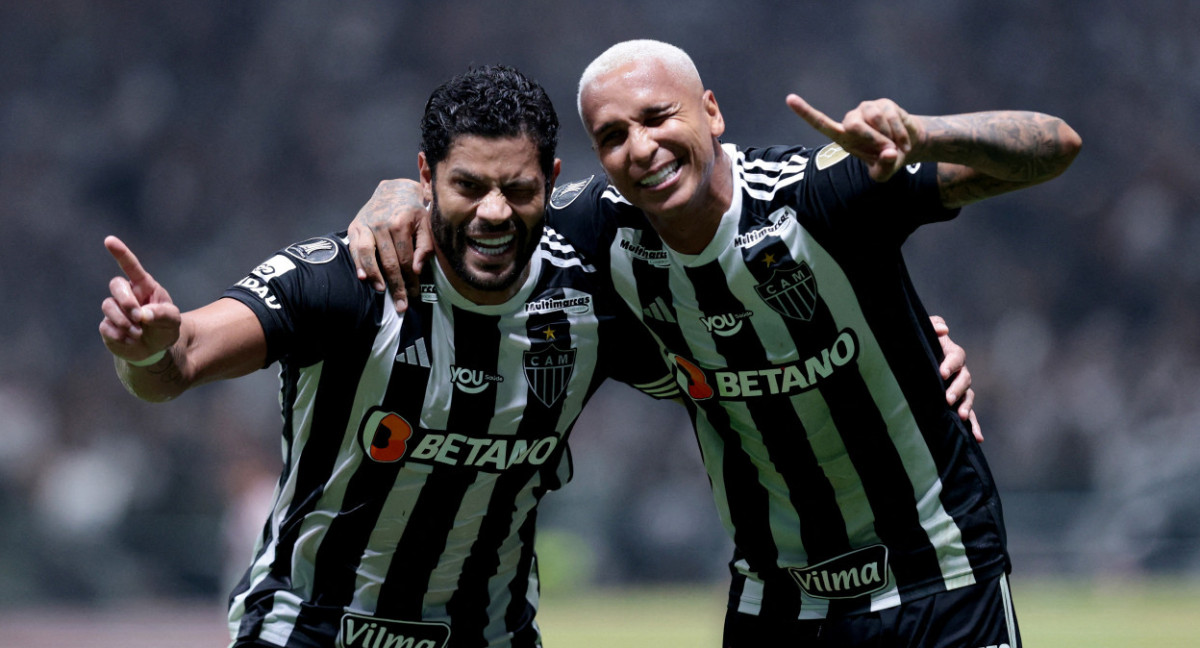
(1053, 614)
(1057, 614)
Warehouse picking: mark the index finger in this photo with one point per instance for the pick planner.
(815, 118)
(126, 259)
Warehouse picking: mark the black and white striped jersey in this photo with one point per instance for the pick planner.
(811, 370)
(416, 447)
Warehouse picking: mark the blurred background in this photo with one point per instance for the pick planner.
(208, 135)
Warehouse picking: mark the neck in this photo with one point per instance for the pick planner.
(689, 230)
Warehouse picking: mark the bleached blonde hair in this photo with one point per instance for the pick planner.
(675, 60)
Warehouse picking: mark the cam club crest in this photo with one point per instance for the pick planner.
(791, 291)
(548, 372)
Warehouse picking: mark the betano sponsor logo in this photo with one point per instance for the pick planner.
(859, 572)
(487, 453)
(360, 631)
(384, 435)
(778, 380)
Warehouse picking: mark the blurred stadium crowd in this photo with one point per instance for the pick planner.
(208, 135)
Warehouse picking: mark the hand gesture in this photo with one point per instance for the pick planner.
(879, 133)
(139, 317)
(954, 365)
(394, 225)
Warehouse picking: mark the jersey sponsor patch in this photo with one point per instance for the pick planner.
(314, 250)
(260, 289)
(725, 324)
(779, 219)
(472, 381)
(429, 294)
(384, 436)
(257, 282)
(566, 194)
(359, 631)
(776, 380)
(581, 305)
(276, 266)
(830, 154)
(656, 258)
(859, 572)
(488, 453)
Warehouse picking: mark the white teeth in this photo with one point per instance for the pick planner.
(492, 245)
(662, 175)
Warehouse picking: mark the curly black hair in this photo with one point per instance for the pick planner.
(490, 101)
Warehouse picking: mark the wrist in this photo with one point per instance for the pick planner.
(153, 358)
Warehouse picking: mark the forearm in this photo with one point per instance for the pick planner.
(219, 341)
(1013, 146)
(157, 382)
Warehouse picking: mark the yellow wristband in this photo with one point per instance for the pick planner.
(146, 362)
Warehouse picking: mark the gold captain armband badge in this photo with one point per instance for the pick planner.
(830, 154)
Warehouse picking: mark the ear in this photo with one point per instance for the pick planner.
(716, 122)
(426, 177)
(557, 169)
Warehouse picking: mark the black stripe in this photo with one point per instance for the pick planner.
(821, 527)
(345, 542)
(421, 546)
(468, 606)
(864, 433)
(334, 398)
(749, 516)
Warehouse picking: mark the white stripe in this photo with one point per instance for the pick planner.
(915, 456)
(371, 387)
(1010, 617)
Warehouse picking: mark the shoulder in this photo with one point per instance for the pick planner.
(587, 212)
(317, 269)
(765, 172)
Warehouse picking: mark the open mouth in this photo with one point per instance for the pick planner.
(491, 246)
(661, 176)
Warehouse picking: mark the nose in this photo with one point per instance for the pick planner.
(641, 145)
(494, 208)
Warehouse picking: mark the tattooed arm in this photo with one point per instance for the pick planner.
(984, 154)
(978, 154)
(160, 353)
(392, 227)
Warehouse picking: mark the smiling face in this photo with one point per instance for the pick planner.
(655, 132)
(489, 202)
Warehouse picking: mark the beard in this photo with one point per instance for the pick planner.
(453, 242)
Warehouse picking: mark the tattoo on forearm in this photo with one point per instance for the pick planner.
(167, 372)
(1011, 149)
(384, 205)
